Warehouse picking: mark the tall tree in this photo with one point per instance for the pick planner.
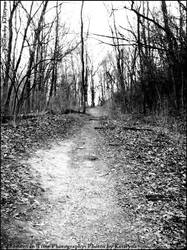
(25, 95)
(9, 51)
(55, 57)
(82, 61)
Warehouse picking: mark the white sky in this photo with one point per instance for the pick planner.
(94, 12)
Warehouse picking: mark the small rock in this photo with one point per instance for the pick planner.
(92, 157)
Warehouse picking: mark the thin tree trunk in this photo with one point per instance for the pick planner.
(25, 95)
(82, 61)
(170, 53)
(8, 61)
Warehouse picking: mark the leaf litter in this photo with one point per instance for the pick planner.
(150, 171)
(148, 166)
(21, 187)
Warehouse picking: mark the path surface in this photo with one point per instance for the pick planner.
(80, 202)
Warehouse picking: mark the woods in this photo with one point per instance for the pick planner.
(33, 56)
(144, 72)
(93, 115)
(150, 58)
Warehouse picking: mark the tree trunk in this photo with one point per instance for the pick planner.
(8, 59)
(82, 61)
(25, 95)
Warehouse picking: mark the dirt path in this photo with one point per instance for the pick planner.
(79, 205)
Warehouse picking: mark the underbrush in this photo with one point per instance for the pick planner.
(175, 124)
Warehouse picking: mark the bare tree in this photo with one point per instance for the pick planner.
(82, 61)
(55, 58)
(9, 51)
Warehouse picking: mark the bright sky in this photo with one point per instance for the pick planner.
(95, 14)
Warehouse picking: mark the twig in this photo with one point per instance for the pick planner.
(125, 128)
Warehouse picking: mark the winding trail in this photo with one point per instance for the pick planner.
(79, 205)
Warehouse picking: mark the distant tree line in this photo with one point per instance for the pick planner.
(148, 71)
(42, 69)
(40, 64)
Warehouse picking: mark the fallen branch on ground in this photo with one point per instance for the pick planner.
(126, 128)
(134, 128)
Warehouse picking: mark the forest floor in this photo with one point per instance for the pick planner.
(83, 180)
